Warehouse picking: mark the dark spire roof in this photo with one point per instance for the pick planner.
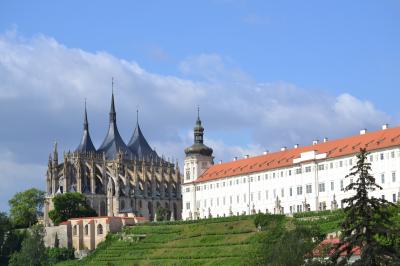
(139, 145)
(198, 146)
(86, 144)
(113, 142)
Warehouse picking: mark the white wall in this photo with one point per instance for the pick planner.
(222, 194)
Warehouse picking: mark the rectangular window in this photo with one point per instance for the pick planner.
(237, 181)
(393, 177)
(290, 172)
(237, 199)
(371, 158)
(341, 164)
(187, 205)
(299, 190)
(383, 197)
(274, 193)
(273, 175)
(382, 178)
(187, 189)
(298, 171)
(382, 156)
(259, 195)
(211, 185)
(308, 169)
(331, 165)
(321, 187)
(223, 200)
(392, 154)
(394, 198)
(244, 198)
(308, 188)
(266, 194)
(282, 193)
(258, 178)
(217, 201)
(332, 186)
(251, 197)
(351, 162)
(290, 192)
(230, 199)
(341, 185)
(205, 203)
(321, 167)
(230, 183)
(211, 202)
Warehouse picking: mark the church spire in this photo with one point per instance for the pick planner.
(113, 115)
(198, 129)
(138, 143)
(86, 144)
(113, 143)
(198, 146)
(85, 120)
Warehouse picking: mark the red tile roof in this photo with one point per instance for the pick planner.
(330, 243)
(333, 148)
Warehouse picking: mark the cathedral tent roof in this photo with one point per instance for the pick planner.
(86, 144)
(139, 145)
(113, 143)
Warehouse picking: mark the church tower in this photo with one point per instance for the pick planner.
(197, 160)
(198, 156)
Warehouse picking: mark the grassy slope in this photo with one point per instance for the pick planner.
(217, 242)
(223, 241)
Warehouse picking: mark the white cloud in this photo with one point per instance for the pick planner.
(43, 84)
(16, 177)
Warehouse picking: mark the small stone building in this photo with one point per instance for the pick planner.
(86, 233)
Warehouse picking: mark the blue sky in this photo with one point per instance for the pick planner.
(265, 73)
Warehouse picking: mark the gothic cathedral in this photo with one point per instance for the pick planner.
(116, 179)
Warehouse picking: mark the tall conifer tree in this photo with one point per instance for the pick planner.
(368, 225)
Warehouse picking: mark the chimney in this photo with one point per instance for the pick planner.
(296, 146)
(234, 158)
(363, 131)
(315, 142)
(325, 140)
(283, 149)
(220, 162)
(385, 126)
(246, 156)
(265, 152)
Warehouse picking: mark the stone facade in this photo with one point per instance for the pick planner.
(85, 234)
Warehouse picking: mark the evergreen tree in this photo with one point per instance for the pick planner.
(368, 225)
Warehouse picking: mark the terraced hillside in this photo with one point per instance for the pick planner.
(224, 241)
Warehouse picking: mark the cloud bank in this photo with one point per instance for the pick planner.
(43, 85)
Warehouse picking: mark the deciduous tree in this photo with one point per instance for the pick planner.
(26, 206)
(70, 205)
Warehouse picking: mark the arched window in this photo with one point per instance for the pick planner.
(99, 229)
(86, 229)
(75, 230)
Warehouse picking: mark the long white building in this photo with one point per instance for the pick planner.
(288, 181)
